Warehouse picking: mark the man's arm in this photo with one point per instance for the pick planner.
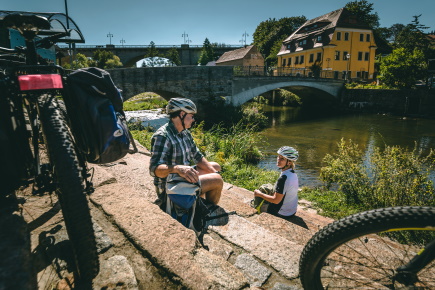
(187, 172)
(205, 166)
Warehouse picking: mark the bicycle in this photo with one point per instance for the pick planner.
(388, 248)
(34, 120)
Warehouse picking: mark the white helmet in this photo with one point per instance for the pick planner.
(180, 104)
(289, 152)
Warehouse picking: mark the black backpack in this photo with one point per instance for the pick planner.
(94, 105)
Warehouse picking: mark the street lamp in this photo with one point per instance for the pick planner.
(184, 35)
(347, 69)
(110, 35)
(122, 41)
(244, 35)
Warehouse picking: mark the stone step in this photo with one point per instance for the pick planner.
(125, 192)
(170, 245)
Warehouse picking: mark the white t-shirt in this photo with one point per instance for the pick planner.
(288, 185)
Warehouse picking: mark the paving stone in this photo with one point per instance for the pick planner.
(104, 242)
(262, 244)
(115, 273)
(281, 286)
(254, 271)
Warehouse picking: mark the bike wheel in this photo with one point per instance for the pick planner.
(70, 187)
(364, 250)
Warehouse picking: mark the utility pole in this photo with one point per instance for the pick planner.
(122, 41)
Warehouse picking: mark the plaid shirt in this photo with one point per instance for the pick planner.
(172, 148)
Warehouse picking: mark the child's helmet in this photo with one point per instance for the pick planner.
(289, 152)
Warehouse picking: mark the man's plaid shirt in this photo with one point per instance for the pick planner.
(172, 148)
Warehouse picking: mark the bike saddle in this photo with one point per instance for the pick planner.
(25, 22)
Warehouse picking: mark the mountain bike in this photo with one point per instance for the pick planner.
(34, 121)
(388, 248)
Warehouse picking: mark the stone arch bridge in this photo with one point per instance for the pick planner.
(208, 83)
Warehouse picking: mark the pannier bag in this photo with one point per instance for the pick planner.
(182, 199)
(98, 120)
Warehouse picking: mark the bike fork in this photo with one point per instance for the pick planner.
(407, 274)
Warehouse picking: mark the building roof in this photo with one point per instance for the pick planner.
(323, 25)
(236, 54)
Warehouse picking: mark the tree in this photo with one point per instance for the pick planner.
(412, 36)
(80, 61)
(363, 10)
(153, 57)
(402, 69)
(207, 53)
(174, 57)
(104, 59)
(270, 34)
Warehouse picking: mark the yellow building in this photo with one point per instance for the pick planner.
(334, 45)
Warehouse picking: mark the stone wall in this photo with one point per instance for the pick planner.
(398, 102)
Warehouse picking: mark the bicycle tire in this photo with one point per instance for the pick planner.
(70, 187)
(346, 254)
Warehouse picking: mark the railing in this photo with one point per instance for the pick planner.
(252, 71)
(147, 46)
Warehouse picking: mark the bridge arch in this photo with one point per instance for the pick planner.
(323, 88)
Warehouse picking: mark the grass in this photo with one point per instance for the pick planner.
(145, 101)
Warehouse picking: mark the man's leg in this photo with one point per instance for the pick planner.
(211, 186)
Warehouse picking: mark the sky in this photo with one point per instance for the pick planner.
(175, 22)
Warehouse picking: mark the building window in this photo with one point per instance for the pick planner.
(368, 37)
(346, 36)
(338, 35)
(337, 55)
(302, 59)
(360, 55)
(344, 55)
(319, 56)
(284, 62)
(312, 57)
(361, 37)
(297, 60)
(288, 46)
(289, 61)
(302, 42)
(367, 56)
(319, 38)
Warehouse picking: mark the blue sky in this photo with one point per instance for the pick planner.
(135, 22)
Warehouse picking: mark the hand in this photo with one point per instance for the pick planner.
(257, 192)
(188, 173)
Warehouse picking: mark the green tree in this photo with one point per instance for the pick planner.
(174, 57)
(363, 10)
(104, 59)
(207, 53)
(153, 57)
(402, 68)
(412, 36)
(269, 35)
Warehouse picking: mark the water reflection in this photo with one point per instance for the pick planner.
(315, 133)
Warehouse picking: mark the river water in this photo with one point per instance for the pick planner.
(315, 134)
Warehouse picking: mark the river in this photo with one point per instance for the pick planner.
(315, 134)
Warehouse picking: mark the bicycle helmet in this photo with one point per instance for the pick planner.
(180, 104)
(289, 152)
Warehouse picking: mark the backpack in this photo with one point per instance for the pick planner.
(183, 203)
(94, 105)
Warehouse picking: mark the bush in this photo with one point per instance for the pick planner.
(145, 101)
(390, 177)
